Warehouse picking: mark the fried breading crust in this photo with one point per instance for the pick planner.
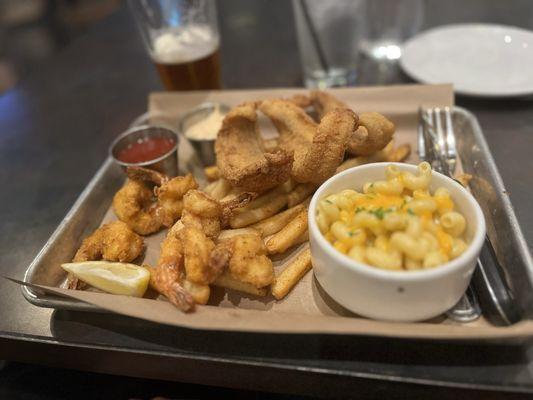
(318, 149)
(241, 155)
(169, 279)
(134, 205)
(202, 211)
(246, 259)
(323, 102)
(373, 134)
(114, 241)
(197, 249)
(374, 131)
(145, 211)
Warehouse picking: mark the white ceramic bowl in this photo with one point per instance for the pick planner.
(394, 295)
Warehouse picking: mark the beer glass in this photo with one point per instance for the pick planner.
(182, 39)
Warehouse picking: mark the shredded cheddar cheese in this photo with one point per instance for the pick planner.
(397, 222)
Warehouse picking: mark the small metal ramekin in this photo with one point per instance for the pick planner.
(205, 148)
(166, 163)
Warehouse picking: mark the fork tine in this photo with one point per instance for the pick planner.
(451, 148)
(430, 139)
(441, 143)
(421, 141)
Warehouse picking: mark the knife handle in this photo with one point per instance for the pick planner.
(495, 296)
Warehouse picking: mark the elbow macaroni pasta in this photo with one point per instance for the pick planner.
(395, 224)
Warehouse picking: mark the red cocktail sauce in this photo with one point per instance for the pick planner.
(146, 149)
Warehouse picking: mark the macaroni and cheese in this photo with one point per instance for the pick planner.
(395, 224)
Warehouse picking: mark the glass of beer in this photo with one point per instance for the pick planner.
(183, 41)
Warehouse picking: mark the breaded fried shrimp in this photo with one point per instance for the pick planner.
(145, 210)
(114, 241)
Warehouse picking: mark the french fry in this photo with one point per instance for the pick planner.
(270, 144)
(464, 179)
(300, 193)
(233, 193)
(230, 233)
(304, 237)
(384, 152)
(212, 173)
(400, 153)
(350, 163)
(288, 236)
(230, 196)
(220, 189)
(264, 199)
(246, 216)
(376, 157)
(276, 223)
(210, 186)
(292, 274)
(288, 185)
(229, 282)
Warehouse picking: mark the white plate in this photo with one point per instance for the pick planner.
(479, 59)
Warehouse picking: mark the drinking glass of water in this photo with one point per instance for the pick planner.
(390, 23)
(329, 33)
(333, 34)
(182, 39)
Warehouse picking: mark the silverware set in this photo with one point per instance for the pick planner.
(488, 290)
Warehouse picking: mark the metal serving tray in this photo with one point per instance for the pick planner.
(487, 186)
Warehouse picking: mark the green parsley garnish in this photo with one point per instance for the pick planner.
(410, 211)
(379, 212)
(329, 201)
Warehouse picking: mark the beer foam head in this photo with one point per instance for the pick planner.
(184, 45)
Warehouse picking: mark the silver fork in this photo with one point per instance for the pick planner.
(436, 145)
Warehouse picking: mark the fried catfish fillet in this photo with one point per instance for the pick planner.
(374, 131)
(241, 155)
(323, 102)
(373, 134)
(318, 148)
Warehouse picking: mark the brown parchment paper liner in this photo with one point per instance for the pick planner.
(307, 309)
(236, 319)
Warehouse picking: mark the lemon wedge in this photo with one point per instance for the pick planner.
(111, 277)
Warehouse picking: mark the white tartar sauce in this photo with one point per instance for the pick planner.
(206, 128)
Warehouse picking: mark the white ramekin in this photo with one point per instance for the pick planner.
(394, 295)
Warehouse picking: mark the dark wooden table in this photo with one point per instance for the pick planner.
(54, 131)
